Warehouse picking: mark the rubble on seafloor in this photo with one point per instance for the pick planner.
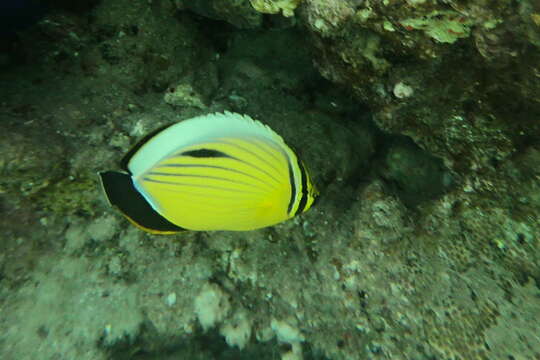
(418, 119)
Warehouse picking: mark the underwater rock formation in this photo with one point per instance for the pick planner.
(418, 120)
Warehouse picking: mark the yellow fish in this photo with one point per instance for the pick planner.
(221, 171)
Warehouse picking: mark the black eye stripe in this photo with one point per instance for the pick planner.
(293, 189)
(304, 199)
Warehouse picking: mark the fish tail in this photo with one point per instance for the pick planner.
(122, 194)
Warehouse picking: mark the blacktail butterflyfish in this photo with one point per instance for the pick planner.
(221, 171)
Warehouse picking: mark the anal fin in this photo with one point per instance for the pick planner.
(122, 194)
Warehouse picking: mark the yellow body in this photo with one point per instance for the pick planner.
(245, 179)
(217, 193)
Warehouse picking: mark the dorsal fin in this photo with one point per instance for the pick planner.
(193, 131)
(127, 157)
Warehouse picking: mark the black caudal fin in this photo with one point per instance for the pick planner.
(121, 193)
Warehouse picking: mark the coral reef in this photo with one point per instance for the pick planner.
(285, 7)
(419, 120)
(459, 60)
